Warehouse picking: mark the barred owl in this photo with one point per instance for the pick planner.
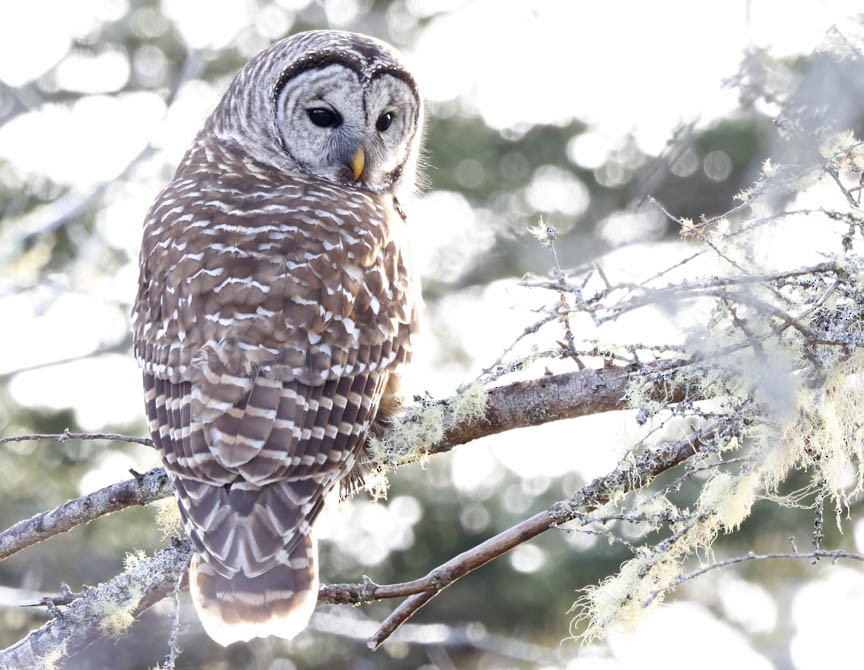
(275, 306)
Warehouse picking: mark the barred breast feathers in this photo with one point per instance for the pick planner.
(314, 274)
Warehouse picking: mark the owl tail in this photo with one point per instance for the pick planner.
(278, 602)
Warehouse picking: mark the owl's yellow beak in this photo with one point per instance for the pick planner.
(358, 160)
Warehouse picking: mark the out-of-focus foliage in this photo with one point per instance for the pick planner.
(70, 214)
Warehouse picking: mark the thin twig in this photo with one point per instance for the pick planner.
(173, 647)
(833, 554)
(68, 435)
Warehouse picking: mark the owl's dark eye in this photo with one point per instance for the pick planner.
(384, 121)
(323, 117)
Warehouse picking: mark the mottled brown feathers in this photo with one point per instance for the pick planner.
(274, 309)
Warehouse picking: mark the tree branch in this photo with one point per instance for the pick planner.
(520, 404)
(834, 554)
(141, 490)
(67, 435)
(526, 403)
(623, 479)
(550, 398)
(106, 609)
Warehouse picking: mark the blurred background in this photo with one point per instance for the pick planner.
(572, 113)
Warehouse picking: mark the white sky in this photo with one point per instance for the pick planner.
(659, 66)
(652, 66)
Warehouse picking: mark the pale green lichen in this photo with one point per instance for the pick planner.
(744, 194)
(115, 615)
(469, 404)
(619, 602)
(544, 234)
(730, 498)
(838, 144)
(168, 517)
(829, 436)
(821, 431)
(133, 558)
(114, 609)
(795, 404)
(53, 660)
(769, 167)
(687, 227)
(410, 438)
(118, 617)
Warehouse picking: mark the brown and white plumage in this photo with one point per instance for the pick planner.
(275, 305)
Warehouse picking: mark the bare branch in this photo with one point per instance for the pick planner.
(542, 400)
(67, 435)
(140, 490)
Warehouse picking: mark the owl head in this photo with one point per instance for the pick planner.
(334, 105)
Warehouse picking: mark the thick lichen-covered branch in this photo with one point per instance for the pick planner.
(438, 426)
(104, 610)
